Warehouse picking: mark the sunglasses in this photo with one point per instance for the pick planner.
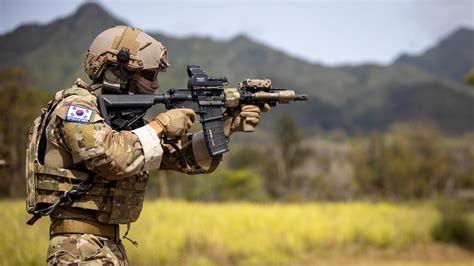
(149, 74)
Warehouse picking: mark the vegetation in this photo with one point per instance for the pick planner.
(454, 225)
(410, 162)
(19, 105)
(182, 233)
(413, 163)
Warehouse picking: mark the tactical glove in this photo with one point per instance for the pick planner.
(173, 123)
(244, 120)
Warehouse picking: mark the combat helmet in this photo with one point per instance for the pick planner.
(129, 47)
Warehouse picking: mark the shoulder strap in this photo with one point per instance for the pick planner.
(214, 163)
(46, 117)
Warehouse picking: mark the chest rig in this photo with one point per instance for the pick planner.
(50, 189)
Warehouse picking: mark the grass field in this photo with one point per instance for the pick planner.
(183, 233)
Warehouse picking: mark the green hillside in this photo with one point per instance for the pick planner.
(353, 98)
(452, 58)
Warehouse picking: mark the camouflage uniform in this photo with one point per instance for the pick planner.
(94, 148)
(81, 249)
(87, 229)
(71, 147)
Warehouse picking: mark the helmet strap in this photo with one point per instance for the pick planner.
(116, 80)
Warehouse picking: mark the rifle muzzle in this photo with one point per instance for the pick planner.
(301, 97)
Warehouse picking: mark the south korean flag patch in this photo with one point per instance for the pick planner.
(80, 114)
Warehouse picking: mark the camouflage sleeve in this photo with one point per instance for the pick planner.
(192, 154)
(101, 149)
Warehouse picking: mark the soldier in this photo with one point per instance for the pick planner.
(71, 146)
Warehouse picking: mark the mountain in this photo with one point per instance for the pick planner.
(452, 58)
(52, 53)
(355, 98)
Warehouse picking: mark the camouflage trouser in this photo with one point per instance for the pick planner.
(85, 249)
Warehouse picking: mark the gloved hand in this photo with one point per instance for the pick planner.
(244, 120)
(173, 123)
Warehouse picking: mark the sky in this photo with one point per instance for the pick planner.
(330, 32)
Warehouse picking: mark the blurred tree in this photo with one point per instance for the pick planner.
(19, 105)
(245, 156)
(222, 185)
(284, 157)
(414, 163)
(454, 225)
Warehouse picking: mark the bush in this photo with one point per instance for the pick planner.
(222, 185)
(454, 230)
(456, 224)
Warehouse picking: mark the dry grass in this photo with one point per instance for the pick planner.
(183, 233)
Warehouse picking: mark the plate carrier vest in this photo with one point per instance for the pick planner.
(113, 201)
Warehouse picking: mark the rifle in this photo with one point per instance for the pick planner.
(205, 95)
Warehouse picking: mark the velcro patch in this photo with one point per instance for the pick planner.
(80, 114)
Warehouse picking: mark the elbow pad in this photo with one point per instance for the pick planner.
(200, 151)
